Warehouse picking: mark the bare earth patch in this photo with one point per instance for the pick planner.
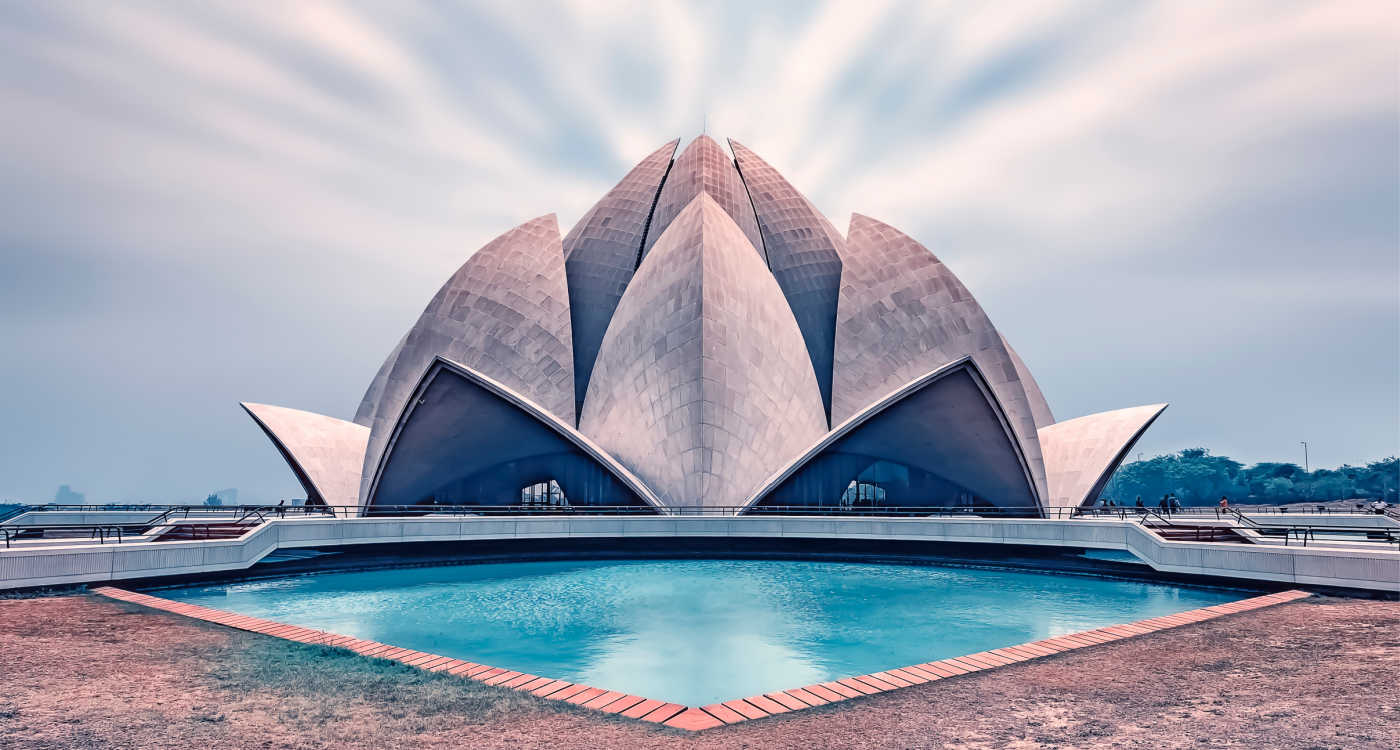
(81, 671)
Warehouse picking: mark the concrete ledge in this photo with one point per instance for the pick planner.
(1374, 570)
(719, 714)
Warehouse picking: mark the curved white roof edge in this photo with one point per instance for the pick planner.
(903, 311)
(505, 310)
(892, 398)
(324, 453)
(1091, 446)
(519, 401)
(364, 414)
(1040, 408)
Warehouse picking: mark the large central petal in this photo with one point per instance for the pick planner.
(703, 386)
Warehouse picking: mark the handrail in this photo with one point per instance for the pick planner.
(1306, 533)
(1158, 516)
(18, 510)
(244, 512)
(1064, 510)
(106, 530)
(162, 518)
(100, 531)
(1196, 530)
(256, 515)
(1242, 518)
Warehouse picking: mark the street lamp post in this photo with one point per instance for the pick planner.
(1304, 443)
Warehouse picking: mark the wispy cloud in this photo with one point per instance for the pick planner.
(207, 202)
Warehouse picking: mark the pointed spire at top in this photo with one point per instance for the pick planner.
(703, 167)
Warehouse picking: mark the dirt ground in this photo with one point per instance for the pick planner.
(82, 671)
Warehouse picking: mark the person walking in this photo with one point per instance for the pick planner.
(1176, 504)
(1140, 507)
(1164, 504)
(1224, 505)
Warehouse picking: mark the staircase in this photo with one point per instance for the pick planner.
(181, 532)
(1180, 532)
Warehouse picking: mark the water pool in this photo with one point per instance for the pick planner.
(696, 632)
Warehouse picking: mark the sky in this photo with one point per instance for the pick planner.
(203, 203)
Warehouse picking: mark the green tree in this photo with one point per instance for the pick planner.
(1277, 487)
(1199, 478)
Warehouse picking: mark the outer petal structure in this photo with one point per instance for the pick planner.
(705, 338)
(466, 439)
(504, 313)
(370, 403)
(702, 386)
(1081, 454)
(1040, 408)
(904, 313)
(941, 440)
(600, 254)
(323, 452)
(804, 253)
(703, 167)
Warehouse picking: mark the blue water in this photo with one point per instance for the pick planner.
(699, 631)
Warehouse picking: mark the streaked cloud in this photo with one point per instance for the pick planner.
(1193, 202)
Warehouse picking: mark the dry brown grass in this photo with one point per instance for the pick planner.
(86, 672)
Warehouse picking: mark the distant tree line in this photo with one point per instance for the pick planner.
(1198, 478)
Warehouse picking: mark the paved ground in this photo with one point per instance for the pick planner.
(82, 671)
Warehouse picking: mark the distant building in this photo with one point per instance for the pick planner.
(66, 496)
(704, 338)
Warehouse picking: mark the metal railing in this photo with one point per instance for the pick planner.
(1306, 533)
(254, 515)
(183, 510)
(99, 531)
(250, 516)
(1198, 533)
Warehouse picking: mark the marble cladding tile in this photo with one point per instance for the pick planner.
(702, 387)
(1082, 453)
(504, 313)
(364, 415)
(703, 167)
(707, 392)
(903, 313)
(804, 253)
(601, 253)
(1040, 408)
(325, 453)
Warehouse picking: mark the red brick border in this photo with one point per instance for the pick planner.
(718, 714)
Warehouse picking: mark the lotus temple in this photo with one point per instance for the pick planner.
(702, 463)
(704, 339)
